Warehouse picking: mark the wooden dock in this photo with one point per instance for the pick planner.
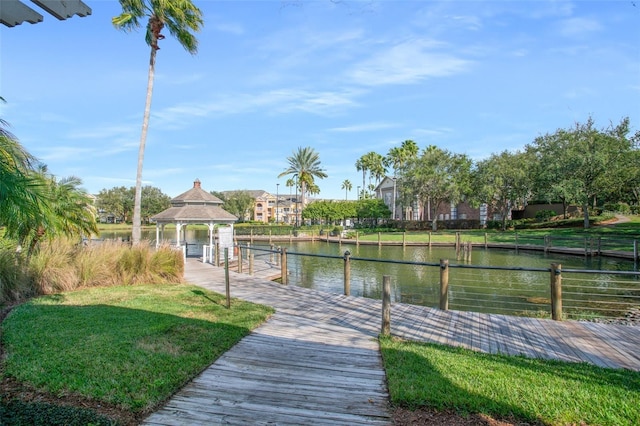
(292, 370)
(316, 360)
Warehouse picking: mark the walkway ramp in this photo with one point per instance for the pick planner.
(316, 361)
(292, 370)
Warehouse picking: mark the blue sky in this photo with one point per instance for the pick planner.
(345, 78)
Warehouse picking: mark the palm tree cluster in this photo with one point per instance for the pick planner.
(34, 204)
(377, 165)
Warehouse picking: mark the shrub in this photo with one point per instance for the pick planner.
(17, 412)
(544, 215)
(622, 208)
(15, 282)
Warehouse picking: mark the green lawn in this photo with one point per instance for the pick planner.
(133, 346)
(129, 346)
(529, 390)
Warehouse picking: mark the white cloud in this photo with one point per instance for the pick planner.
(104, 132)
(407, 63)
(366, 127)
(276, 101)
(577, 27)
(229, 28)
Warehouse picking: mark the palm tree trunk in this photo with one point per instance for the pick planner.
(136, 233)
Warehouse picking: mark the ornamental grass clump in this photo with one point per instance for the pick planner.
(65, 265)
(15, 282)
(53, 268)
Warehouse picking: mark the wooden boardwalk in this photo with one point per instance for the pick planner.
(316, 360)
(292, 370)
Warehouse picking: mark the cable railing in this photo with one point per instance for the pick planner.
(561, 293)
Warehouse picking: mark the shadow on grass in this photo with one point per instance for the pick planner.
(204, 296)
(132, 359)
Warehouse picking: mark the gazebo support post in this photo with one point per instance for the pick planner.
(211, 231)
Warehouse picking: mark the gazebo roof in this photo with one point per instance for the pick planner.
(197, 195)
(195, 206)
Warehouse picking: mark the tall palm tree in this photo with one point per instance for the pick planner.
(182, 18)
(346, 185)
(361, 165)
(305, 165)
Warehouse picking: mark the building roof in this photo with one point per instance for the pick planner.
(196, 195)
(195, 206)
(253, 193)
(198, 214)
(15, 12)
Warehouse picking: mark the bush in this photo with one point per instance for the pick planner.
(622, 208)
(17, 412)
(544, 215)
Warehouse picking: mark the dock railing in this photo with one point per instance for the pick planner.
(561, 292)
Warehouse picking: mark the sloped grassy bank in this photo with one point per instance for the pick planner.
(124, 348)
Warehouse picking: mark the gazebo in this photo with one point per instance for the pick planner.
(196, 206)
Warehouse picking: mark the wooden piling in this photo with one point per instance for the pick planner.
(444, 284)
(283, 265)
(386, 305)
(556, 291)
(347, 273)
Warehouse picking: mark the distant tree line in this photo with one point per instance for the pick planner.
(119, 201)
(582, 165)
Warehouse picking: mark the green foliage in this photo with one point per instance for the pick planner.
(370, 210)
(501, 180)
(119, 201)
(544, 215)
(619, 207)
(581, 163)
(531, 390)
(304, 167)
(435, 177)
(16, 412)
(239, 203)
(373, 163)
(330, 211)
(98, 343)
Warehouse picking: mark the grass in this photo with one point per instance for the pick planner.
(565, 237)
(529, 390)
(64, 265)
(128, 346)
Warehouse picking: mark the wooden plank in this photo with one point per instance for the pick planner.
(317, 361)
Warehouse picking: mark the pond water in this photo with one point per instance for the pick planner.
(480, 290)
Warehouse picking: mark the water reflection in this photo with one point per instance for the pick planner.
(479, 290)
